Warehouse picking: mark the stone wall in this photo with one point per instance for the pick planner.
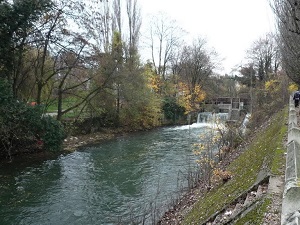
(291, 196)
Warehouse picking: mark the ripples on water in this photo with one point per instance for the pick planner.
(103, 184)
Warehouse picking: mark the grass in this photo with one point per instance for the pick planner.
(67, 102)
(52, 107)
(266, 150)
(256, 215)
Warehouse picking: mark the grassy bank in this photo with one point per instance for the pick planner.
(265, 151)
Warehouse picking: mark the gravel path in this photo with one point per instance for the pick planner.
(275, 190)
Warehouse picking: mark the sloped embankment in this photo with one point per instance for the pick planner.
(263, 158)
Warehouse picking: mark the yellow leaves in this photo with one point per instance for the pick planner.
(202, 151)
(205, 161)
(216, 138)
(199, 94)
(272, 85)
(200, 146)
(199, 150)
(154, 82)
(292, 88)
(190, 97)
(219, 174)
(198, 161)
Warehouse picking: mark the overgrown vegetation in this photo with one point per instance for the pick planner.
(172, 110)
(266, 151)
(256, 215)
(24, 128)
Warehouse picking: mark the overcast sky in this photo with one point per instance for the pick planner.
(229, 26)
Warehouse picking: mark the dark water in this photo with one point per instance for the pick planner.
(121, 180)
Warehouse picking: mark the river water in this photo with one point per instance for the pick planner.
(126, 179)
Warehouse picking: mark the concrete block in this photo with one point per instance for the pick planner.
(291, 196)
(294, 135)
(292, 124)
(292, 112)
(290, 214)
(292, 106)
(291, 171)
(290, 207)
(292, 118)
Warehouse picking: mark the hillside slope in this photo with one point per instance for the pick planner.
(263, 161)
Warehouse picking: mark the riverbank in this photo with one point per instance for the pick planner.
(74, 142)
(71, 144)
(261, 156)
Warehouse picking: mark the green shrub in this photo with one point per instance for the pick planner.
(23, 127)
(52, 133)
(172, 110)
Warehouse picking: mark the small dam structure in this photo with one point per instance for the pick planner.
(206, 117)
(231, 105)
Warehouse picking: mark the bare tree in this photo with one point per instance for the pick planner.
(196, 63)
(288, 20)
(134, 25)
(264, 54)
(73, 55)
(98, 21)
(165, 39)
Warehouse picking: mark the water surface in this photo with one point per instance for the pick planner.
(125, 179)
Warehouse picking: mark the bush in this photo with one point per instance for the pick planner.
(52, 133)
(23, 127)
(172, 110)
(267, 101)
(89, 125)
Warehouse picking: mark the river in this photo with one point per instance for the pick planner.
(120, 181)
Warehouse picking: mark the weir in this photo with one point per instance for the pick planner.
(231, 105)
(243, 127)
(209, 117)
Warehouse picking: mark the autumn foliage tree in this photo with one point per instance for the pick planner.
(190, 99)
(195, 66)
